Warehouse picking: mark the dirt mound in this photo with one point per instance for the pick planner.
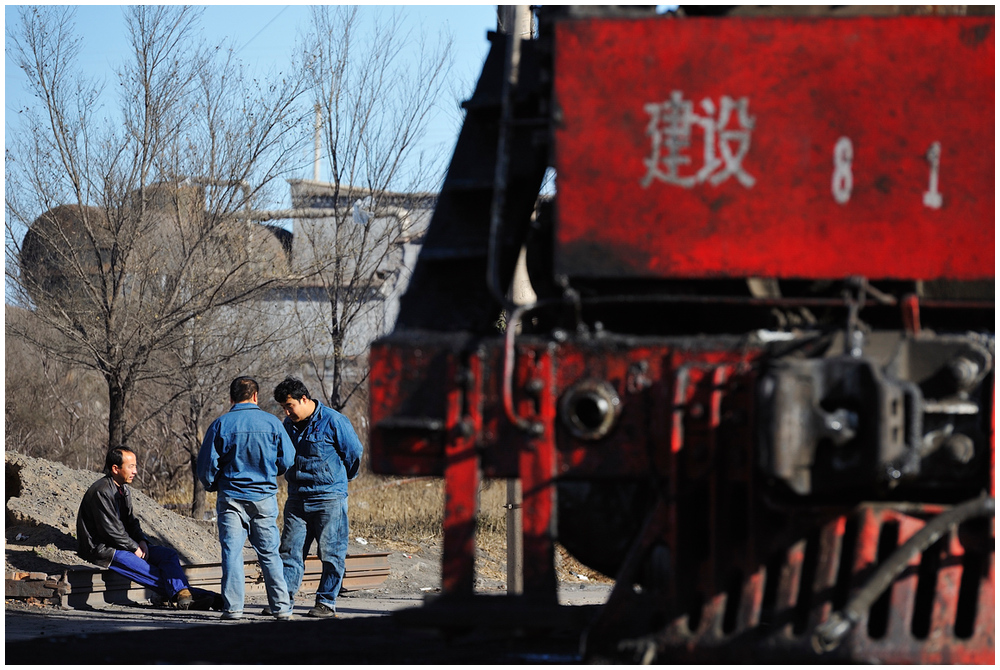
(42, 499)
(42, 502)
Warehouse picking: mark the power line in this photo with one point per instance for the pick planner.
(266, 26)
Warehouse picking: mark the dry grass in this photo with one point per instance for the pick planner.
(392, 508)
(403, 512)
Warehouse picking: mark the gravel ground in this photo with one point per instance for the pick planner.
(42, 498)
(42, 502)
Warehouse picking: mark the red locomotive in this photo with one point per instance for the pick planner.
(757, 384)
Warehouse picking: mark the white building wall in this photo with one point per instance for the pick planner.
(307, 305)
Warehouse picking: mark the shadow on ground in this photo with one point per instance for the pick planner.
(345, 641)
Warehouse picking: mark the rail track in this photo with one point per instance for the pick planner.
(84, 588)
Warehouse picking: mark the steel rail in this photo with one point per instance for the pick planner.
(89, 587)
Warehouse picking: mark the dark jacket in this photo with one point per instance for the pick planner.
(327, 454)
(101, 527)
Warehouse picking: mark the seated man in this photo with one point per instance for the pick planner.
(109, 535)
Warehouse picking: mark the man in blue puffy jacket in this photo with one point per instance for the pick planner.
(327, 456)
(241, 457)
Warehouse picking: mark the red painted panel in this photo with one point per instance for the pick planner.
(461, 476)
(538, 494)
(706, 147)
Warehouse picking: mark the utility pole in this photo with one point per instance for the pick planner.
(515, 20)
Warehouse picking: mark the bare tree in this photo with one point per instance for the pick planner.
(374, 96)
(227, 342)
(137, 223)
(51, 410)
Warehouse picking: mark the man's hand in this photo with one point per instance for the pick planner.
(142, 549)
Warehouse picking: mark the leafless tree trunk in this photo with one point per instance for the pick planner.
(125, 231)
(375, 97)
(50, 409)
(248, 340)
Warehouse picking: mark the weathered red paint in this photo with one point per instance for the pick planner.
(399, 375)
(461, 477)
(911, 314)
(688, 404)
(892, 86)
(899, 645)
(707, 390)
(537, 474)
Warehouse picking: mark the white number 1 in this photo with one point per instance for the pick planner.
(932, 198)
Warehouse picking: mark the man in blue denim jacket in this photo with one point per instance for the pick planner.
(327, 456)
(241, 457)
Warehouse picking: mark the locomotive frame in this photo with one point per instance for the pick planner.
(770, 419)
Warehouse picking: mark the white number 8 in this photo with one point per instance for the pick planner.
(843, 179)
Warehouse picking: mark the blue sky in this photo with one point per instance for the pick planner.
(264, 36)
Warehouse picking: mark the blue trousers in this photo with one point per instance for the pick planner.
(161, 570)
(258, 519)
(326, 522)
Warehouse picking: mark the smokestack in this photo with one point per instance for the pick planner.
(514, 20)
(319, 143)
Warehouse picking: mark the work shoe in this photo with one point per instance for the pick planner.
(266, 611)
(321, 611)
(284, 616)
(232, 616)
(184, 599)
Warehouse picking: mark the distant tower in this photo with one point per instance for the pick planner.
(514, 19)
(318, 143)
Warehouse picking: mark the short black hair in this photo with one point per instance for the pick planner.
(290, 387)
(114, 457)
(242, 389)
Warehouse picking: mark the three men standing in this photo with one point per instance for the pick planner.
(327, 456)
(241, 457)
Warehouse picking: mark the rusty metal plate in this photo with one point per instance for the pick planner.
(790, 148)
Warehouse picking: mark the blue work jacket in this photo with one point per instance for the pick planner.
(243, 453)
(327, 454)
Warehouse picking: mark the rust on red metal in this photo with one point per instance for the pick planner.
(407, 407)
(461, 476)
(537, 474)
(686, 419)
(911, 314)
(642, 429)
(790, 148)
(687, 415)
(907, 629)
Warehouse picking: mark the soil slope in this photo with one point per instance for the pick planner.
(42, 499)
